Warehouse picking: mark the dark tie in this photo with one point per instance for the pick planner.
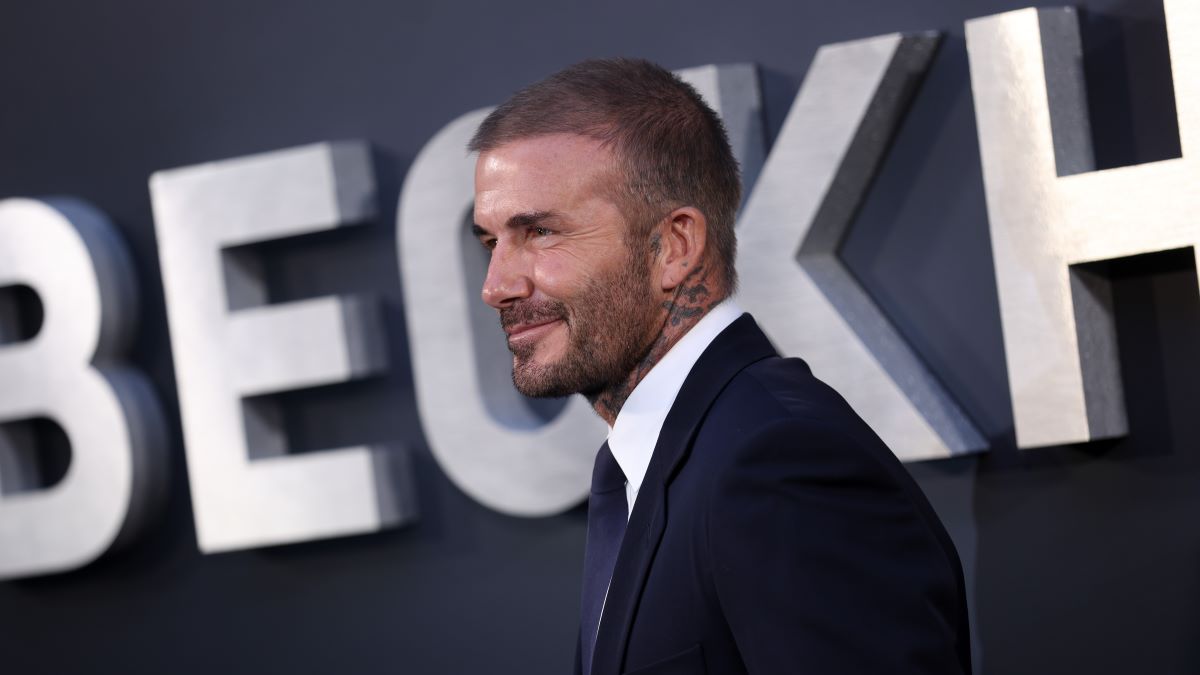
(607, 515)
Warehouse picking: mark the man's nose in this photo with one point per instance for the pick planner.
(507, 281)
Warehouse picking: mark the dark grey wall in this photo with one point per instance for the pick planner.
(1082, 559)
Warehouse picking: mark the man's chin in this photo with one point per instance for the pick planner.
(537, 381)
(539, 389)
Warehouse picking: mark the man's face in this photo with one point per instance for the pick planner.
(579, 308)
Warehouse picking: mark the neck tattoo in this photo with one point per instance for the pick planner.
(691, 301)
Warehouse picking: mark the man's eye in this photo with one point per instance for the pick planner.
(539, 231)
(489, 244)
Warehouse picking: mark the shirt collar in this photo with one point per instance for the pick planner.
(634, 434)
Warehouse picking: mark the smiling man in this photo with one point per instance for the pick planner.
(743, 519)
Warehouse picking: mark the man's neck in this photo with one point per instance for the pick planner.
(692, 299)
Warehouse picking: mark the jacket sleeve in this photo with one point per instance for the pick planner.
(822, 561)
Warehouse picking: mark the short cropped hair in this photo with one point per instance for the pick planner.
(671, 147)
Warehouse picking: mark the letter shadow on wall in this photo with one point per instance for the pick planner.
(1096, 538)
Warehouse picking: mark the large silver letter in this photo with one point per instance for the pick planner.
(483, 433)
(1049, 211)
(72, 258)
(816, 176)
(245, 491)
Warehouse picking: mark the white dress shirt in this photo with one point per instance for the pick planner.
(634, 434)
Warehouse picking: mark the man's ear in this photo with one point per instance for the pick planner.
(684, 235)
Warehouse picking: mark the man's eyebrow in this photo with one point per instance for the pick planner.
(530, 218)
(515, 221)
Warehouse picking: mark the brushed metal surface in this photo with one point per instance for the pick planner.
(815, 178)
(1050, 212)
(246, 491)
(72, 372)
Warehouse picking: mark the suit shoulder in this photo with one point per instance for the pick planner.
(775, 412)
(781, 396)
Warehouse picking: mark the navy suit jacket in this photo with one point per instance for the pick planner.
(775, 533)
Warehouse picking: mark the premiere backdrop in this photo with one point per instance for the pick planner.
(1080, 559)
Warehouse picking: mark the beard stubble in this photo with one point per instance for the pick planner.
(609, 333)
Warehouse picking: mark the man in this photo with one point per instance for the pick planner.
(742, 519)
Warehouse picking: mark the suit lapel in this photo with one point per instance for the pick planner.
(739, 345)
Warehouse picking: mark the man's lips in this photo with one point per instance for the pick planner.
(529, 331)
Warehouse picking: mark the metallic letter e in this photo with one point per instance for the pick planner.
(246, 491)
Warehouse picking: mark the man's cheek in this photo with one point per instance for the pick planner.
(559, 275)
(554, 344)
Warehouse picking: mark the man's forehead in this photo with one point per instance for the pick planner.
(553, 155)
(541, 172)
